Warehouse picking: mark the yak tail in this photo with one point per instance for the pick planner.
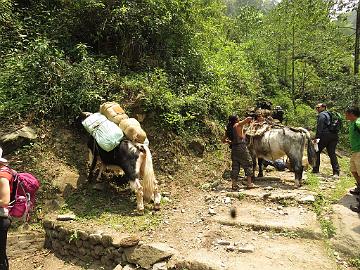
(148, 176)
(311, 153)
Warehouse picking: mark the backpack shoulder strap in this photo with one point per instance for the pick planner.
(13, 182)
(328, 117)
(8, 170)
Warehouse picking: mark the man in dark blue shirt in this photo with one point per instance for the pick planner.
(328, 139)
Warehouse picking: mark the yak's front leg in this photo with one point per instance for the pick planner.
(157, 197)
(102, 168)
(92, 163)
(136, 186)
(298, 169)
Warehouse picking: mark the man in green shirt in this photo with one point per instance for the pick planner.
(353, 115)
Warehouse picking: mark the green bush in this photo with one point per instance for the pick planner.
(42, 81)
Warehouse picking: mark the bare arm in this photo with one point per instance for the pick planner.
(4, 192)
(245, 121)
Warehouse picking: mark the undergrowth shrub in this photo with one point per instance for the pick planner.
(43, 82)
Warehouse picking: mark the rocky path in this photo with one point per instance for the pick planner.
(274, 227)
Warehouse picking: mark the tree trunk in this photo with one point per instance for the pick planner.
(357, 36)
(356, 56)
(293, 68)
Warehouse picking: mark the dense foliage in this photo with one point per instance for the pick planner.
(184, 62)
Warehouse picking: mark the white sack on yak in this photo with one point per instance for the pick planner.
(107, 134)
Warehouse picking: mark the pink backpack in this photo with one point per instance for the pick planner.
(23, 194)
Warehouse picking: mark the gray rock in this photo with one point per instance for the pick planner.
(83, 235)
(129, 267)
(223, 242)
(230, 248)
(159, 266)
(165, 194)
(246, 249)
(106, 240)
(227, 200)
(212, 211)
(308, 199)
(66, 217)
(12, 141)
(125, 240)
(95, 238)
(346, 222)
(149, 254)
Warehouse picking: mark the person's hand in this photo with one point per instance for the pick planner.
(248, 119)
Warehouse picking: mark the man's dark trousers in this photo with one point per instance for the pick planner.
(328, 141)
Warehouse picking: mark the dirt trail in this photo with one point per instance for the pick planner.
(265, 234)
(274, 227)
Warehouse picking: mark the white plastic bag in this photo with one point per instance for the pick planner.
(316, 145)
(106, 133)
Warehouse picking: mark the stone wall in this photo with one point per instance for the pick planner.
(109, 250)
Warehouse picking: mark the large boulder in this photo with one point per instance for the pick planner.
(148, 254)
(347, 238)
(12, 141)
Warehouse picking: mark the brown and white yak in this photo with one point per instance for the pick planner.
(280, 141)
(136, 162)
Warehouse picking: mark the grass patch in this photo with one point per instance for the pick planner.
(241, 196)
(113, 207)
(355, 263)
(327, 227)
(325, 198)
(341, 188)
(346, 182)
(312, 182)
(321, 207)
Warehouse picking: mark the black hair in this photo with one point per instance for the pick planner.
(229, 127)
(353, 110)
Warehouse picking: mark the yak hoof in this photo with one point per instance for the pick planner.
(90, 178)
(157, 206)
(260, 175)
(140, 212)
(297, 183)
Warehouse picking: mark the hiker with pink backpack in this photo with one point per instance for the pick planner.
(17, 199)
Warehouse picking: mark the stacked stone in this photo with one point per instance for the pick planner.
(107, 249)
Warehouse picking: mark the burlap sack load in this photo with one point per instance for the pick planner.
(132, 129)
(113, 112)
